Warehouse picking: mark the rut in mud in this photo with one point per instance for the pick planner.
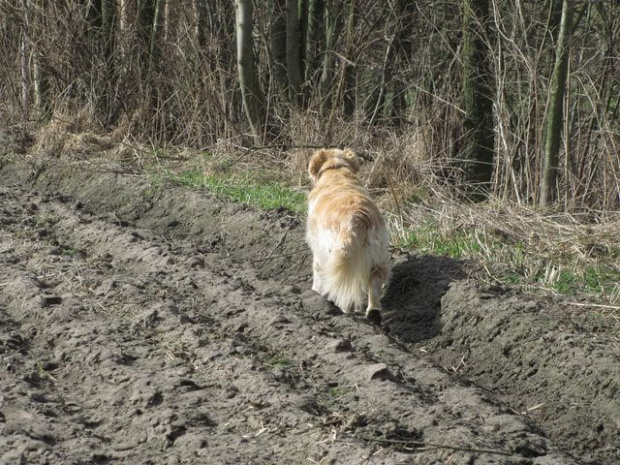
(166, 326)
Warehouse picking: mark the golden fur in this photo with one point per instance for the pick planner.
(346, 233)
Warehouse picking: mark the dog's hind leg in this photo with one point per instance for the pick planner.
(378, 277)
(317, 285)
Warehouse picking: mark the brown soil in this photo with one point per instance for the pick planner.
(155, 325)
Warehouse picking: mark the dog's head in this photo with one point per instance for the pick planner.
(326, 159)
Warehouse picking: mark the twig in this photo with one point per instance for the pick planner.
(431, 445)
(578, 304)
(278, 244)
(45, 373)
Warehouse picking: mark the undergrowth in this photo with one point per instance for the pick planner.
(518, 246)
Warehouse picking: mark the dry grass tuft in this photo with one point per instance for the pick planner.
(51, 139)
(71, 139)
(87, 145)
(564, 253)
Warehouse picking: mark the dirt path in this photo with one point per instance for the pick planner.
(163, 326)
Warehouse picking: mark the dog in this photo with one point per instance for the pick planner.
(347, 235)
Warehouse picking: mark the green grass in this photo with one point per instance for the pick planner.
(70, 251)
(596, 280)
(278, 361)
(256, 192)
(426, 239)
(340, 391)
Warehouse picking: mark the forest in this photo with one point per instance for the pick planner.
(511, 99)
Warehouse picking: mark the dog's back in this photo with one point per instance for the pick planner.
(348, 238)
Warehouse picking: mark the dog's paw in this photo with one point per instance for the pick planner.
(374, 317)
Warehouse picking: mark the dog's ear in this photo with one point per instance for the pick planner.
(316, 161)
(352, 159)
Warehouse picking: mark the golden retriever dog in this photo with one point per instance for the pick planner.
(347, 235)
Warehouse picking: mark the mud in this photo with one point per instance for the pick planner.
(143, 324)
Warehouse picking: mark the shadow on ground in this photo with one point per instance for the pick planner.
(412, 302)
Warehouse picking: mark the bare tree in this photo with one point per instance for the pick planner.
(34, 79)
(553, 123)
(293, 51)
(277, 43)
(253, 98)
(312, 18)
(477, 155)
(333, 24)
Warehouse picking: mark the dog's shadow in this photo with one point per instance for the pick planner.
(412, 301)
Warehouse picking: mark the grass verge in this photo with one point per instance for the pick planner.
(254, 190)
(514, 245)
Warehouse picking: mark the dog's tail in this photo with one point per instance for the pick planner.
(347, 272)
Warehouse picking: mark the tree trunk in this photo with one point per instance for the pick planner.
(171, 19)
(478, 154)
(332, 28)
(149, 24)
(154, 51)
(24, 54)
(252, 96)
(41, 91)
(350, 68)
(101, 23)
(293, 52)
(277, 43)
(33, 73)
(555, 113)
(315, 10)
(304, 18)
(108, 20)
(126, 37)
(404, 54)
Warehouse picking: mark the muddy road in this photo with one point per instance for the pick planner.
(144, 325)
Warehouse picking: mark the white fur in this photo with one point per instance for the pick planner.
(342, 267)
